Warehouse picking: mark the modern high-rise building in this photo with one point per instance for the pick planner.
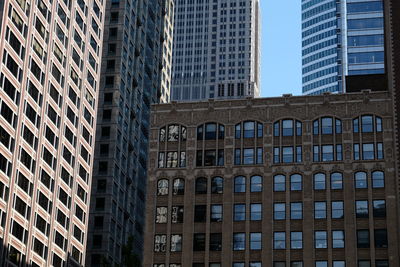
(135, 72)
(216, 49)
(281, 182)
(50, 67)
(340, 38)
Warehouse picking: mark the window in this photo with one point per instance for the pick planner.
(296, 210)
(248, 156)
(277, 157)
(296, 264)
(320, 239)
(337, 210)
(199, 242)
(256, 183)
(367, 125)
(296, 240)
(337, 239)
(296, 182)
(255, 212)
(319, 181)
(380, 237)
(339, 152)
(287, 128)
(379, 151)
(368, 152)
(327, 153)
(378, 179)
(255, 241)
(177, 214)
(326, 125)
(320, 210)
(378, 124)
(279, 240)
(179, 187)
(240, 184)
(248, 129)
(362, 238)
(316, 153)
(239, 241)
(239, 212)
(360, 180)
(215, 242)
(200, 213)
(362, 209)
(279, 211)
(356, 151)
(217, 185)
(287, 154)
(161, 214)
(162, 187)
(201, 185)
(321, 264)
(364, 263)
(339, 264)
(160, 243)
(381, 263)
(216, 213)
(176, 243)
(336, 181)
(379, 208)
(279, 264)
(279, 183)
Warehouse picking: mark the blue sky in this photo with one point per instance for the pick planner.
(280, 47)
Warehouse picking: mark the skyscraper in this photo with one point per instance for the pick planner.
(135, 73)
(216, 49)
(339, 39)
(49, 73)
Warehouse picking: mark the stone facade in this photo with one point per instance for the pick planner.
(349, 178)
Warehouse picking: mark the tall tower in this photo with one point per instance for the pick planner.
(50, 59)
(340, 38)
(135, 73)
(216, 49)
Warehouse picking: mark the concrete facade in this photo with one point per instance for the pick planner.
(216, 50)
(240, 221)
(49, 82)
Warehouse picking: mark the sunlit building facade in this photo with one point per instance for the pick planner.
(49, 81)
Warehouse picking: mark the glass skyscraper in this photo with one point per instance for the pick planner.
(340, 38)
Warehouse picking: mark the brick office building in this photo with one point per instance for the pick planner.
(291, 181)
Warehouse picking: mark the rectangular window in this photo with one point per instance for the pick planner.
(320, 239)
(339, 153)
(296, 240)
(215, 242)
(255, 212)
(216, 213)
(199, 242)
(337, 210)
(379, 208)
(316, 153)
(279, 240)
(319, 210)
(362, 208)
(210, 158)
(259, 155)
(296, 211)
(200, 213)
(299, 154)
(362, 238)
(379, 151)
(248, 156)
(356, 151)
(239, 241)
(287, 154)
(276, 155)
(327, 153)
(380, 237)
(368, 152)
(338, 239)
(239, 212)
(279, 211)
(255, 241)
(237, 156)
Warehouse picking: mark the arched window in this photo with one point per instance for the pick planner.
(327, 125)
(360, 180)
(210, 131)
(319, 181)
(251, 129)
(179, 187)
(201, 185)
(240, 184)
(288, 127)
(279, 183)
(256, 183)
(296, 182)
(336, 181)
(162, 187)
(367, 124)
(378, 179)
(217, 185)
